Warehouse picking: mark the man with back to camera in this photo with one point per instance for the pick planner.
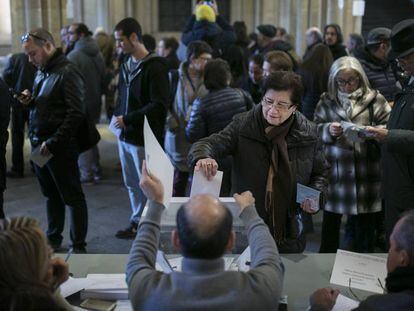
(398, 138)
(143, 91)
(400, 279)
(203, 234)
(56, 112)
(88, 59)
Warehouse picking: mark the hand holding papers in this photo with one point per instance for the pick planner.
(113, 128)
(38, 158)
(201, 185)
(354, 132)
(344, 304)
(359, 271)
(306, 193)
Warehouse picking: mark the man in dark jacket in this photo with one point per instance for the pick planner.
(332, 37)
(208, 25)
(56, 111)
(19, 75)
(398, 137)
(270, 143)
(374, 60)
(88, 59)
(143, 91)
(400, 279)
(5, 101)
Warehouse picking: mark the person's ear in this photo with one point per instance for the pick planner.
(133, 38)
(175, 239)
(404, 258)
(231, 241)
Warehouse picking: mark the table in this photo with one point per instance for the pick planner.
(304, 273)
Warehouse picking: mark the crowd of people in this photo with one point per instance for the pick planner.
(339, 120)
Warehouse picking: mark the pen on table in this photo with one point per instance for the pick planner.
(68, 254)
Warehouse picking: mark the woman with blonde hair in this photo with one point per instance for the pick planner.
(29, 277)
(355, 176)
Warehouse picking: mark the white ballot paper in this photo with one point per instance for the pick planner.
(158, 162)
(304, 192)
(355, 132)
(73, 285)
(39, 159)
(243, 261)
(116, 131)
(359, 271)
(344, 303)
(201, 185)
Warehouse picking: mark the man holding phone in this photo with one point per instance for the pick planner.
(56, 111)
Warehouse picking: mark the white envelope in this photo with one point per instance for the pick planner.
(201, 185)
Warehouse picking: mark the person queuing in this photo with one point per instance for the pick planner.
(398, 137)
(187, 84)
(355, 176)
(143, 90)
(270, 143)
(57, 112)
(332, 37)
(215, 111)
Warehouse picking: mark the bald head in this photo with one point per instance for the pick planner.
(204, 226)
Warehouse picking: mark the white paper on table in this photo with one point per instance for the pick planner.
(201, 185)
(39, 159)
(344, 303)
(123, 305)
(303, 192)
(158, 162)
(363, 270)
(116, 131)
(244, 260)
(73, 285)
(106, 282)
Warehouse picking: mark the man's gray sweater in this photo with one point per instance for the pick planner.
(203, 284)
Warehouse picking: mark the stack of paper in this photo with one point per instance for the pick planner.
(105, 286)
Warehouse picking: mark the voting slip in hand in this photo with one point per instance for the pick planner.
(38, 158)
(304, 192)
(115, 130)
(201, 185)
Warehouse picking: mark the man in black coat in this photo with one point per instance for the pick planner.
(400, 278)
(5, 101)
(398, 137)
(19, 75)
(143, 91)
(56, 112)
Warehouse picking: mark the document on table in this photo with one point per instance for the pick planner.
(39, 159)
(304, 192)
(162, 263)
(116, 131)
(359, 271)
(201, 185)
(344, 303)
(123, 305)
(158, 162)
(73, 285)
(243, 261)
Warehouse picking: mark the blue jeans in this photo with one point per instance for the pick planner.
(131, 157)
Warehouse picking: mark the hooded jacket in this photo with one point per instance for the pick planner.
(90, 62)
(143, 91)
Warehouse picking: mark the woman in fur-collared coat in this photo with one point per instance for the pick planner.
(355, 175)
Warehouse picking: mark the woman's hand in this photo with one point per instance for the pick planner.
(335, 129)
(208, 166)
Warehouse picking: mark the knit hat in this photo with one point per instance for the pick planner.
(205, 12)
(378, 35)
(267, 30)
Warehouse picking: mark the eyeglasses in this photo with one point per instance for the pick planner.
(350, 81)
(281, 106)
(27, 36)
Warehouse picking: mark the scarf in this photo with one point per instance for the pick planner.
(349, 100)
(279, 186)
(402, 278)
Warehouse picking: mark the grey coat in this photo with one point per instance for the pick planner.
(355, 175)
(90, 62)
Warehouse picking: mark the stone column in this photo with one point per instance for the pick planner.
(18, 23)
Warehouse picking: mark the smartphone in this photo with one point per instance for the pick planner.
(100, 305)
